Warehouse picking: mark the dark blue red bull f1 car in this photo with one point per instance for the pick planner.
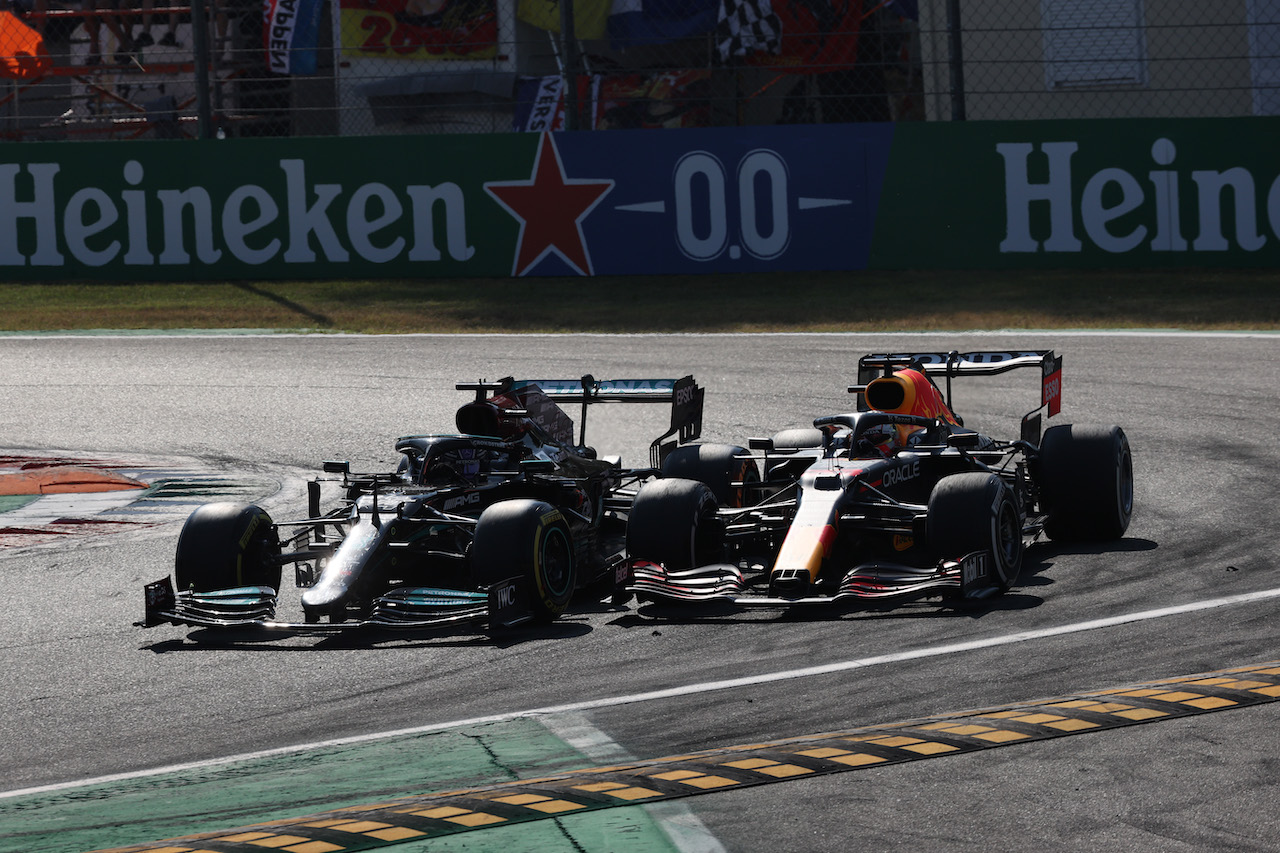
(500, 523)
(897, 500)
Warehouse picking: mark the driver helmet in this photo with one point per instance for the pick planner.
(470, 465)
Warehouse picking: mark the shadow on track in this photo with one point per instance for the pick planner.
(268, 640)
(1037, 560)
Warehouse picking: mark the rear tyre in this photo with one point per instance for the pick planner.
(716, 465)
(531, 539)
(975, 511)
(1086, 482)
(227, 545)
(673, 522)
(797, 437)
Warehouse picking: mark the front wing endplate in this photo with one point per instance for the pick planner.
(504, 604)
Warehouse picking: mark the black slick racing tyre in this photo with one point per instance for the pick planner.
(673, 522)
(227, 545)
(532, 539)
(1086, 482)
(975, 511)
(719, 466)
(797, 438)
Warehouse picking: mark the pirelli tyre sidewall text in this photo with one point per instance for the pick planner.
(975, 511)
(227, 545)
(529, 539)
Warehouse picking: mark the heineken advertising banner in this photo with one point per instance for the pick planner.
(980, 195)
(1096, 193)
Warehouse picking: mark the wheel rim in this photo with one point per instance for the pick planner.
(748, 494)
(1124, 486)
(703, 546)
(1008, 540)
(556, 558)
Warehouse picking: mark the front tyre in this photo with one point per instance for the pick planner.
(975, 511)
(673, 522)
(227, 545)
(531, 539)
(721, 467)
(1086, 482)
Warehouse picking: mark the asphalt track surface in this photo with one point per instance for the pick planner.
(1190, 589)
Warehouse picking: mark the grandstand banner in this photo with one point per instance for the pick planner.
(679, 201)
(290, 34)
(418, 29)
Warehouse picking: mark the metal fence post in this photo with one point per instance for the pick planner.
(200, 47)
(955, 60)
(571, 62)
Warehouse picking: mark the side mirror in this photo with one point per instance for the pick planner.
(333, 467)
(765, 444)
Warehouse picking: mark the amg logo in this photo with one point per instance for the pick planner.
(462, 500)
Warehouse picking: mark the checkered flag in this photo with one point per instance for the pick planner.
(746, 26)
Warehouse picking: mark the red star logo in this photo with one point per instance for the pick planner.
(550, 208)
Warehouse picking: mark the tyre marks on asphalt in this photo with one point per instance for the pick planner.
(45, 498)
(380, 825)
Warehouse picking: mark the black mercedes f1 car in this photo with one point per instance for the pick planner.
(499, 524)
(895, 501)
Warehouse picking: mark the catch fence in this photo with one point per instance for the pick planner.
(120, 69)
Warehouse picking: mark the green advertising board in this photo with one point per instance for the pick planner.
(268, 209)
(1098, 193)
(985, 195)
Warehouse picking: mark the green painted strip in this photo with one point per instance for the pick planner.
(8, 503)
(437, 816)
(208, 800)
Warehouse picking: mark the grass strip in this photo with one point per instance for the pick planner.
(879, 301)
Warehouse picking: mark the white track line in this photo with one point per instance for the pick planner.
(676, 820)
(682, 690)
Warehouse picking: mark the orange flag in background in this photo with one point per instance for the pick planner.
(23, 55)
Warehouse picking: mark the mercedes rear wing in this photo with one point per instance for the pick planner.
(977, 363)
(684, 395)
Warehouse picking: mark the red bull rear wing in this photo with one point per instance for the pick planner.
(976, 363)
(979, 363)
